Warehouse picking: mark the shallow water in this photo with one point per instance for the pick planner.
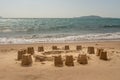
(30, 30)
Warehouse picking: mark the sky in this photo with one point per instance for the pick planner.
(59, 8)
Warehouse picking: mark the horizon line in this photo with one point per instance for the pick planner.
(61, 17)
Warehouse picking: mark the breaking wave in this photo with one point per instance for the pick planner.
(65, 38)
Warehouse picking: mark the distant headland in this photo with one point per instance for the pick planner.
(91, 17)
(1, 17)
(95, 17)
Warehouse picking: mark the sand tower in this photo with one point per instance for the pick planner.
(99, 51)
(103, 55)
(26, 60)
(78, 48)
(54, 48)
(82, 59)
(30, 50)
(40, 49)
(20, 53)
(67, 47)
(91, 50)
(69, 61)
(58, 61)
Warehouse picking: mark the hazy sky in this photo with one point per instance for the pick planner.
(59, 8)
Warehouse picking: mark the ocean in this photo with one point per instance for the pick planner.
(45, 30)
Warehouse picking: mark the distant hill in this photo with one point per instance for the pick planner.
(90, 17)
(0, 16)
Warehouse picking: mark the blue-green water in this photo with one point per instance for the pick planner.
(29, 30)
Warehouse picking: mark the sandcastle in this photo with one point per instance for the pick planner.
(67, 47)
(58, 61)
(54, 48)
(30, 50)
(103, 55)
(69, 60)
(99, 51)
(40, 49)
(78, 48)
(82, 59)
(26, 56)
(26, 60)
(91, 50)
(20, 54)
(39, 58)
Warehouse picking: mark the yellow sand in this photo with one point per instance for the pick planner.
(96, 69)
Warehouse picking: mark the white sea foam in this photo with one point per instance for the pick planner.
(76, 38)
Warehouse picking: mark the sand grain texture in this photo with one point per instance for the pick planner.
(96, 69)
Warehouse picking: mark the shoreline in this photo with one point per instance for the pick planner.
(58, 38)
(108, 44)
(67, 42)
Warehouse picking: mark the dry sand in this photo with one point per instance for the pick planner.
(96, 69)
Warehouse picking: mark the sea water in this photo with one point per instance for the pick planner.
(39, 30)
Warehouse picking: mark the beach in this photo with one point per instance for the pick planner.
(96, 69)
(59, 40)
